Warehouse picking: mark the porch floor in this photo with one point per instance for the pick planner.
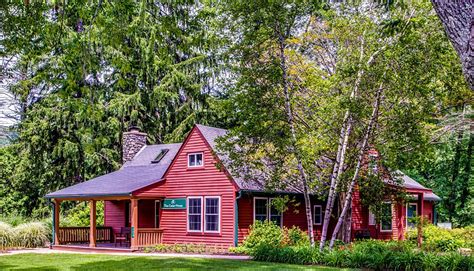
(110, 247)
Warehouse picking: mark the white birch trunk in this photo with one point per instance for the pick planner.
(289, 115)
(341, 152)
(347, 201)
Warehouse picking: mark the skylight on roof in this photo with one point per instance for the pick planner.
(160, 156)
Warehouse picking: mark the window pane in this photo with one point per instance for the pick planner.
(276, 219)
(386, 219)
(212, 222)
(318, 215)
(192, 160)
(195, 222)
(212, 214)
(194, 214)
(411, 214)
(371, 218)
(199, 159)
(260, 209)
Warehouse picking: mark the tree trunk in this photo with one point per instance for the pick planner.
(289, 115)
(348, 198)
(347, 228)
(458, 21)
(341, 151)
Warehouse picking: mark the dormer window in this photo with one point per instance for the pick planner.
(195, 160)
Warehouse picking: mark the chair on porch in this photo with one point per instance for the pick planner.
(123, 236)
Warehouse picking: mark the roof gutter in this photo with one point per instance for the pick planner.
(85, 195)
(236, 219)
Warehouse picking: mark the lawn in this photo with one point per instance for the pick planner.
(83, 262)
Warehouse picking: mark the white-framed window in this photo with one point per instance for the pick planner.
(212, 209)
(195, 159)
(264, 210)
(371, 219)
(194, 214)
(386, 219)
(317, 215)
(157, 213)
(412, 212)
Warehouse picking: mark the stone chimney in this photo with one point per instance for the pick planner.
(132, 142)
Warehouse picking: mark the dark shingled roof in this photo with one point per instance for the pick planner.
(132, 176)
(409, 183)
(211, 134)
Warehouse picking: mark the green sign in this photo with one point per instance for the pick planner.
(133, 232)
(178, 203)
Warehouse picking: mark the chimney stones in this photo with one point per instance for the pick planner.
(132, 142)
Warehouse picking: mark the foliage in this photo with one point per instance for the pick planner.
(79, 215)
(372, 254)
(442, 240)
(187, 248)
(83, 72)
(13, 219)
(266, 232)
(294, 236)
(438, 170)
(270, 234)
(26, 235)
(5, 235)
(29, 235)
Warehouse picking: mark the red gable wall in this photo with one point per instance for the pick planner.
(181, 182)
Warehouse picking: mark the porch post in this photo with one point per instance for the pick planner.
(56, 222)
(420, 224)
(93, 221)
(134, 230)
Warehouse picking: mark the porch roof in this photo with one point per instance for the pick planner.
(413, 186)
(142, 171)
(118, 183)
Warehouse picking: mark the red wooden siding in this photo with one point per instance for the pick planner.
(181, 182)
(294, 216)
(114, 214)
(146, 213)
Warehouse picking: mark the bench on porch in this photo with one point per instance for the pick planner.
(82, 234)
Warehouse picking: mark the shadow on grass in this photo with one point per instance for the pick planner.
(83, 262)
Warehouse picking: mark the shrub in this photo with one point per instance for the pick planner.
(13, 219)
(294, 236)
(187, 248)
(29, 235)
(371, 254)
(444, 240)
(79, 216)
(263, 233)
(5, 235)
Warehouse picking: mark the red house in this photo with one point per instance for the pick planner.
(181, 193)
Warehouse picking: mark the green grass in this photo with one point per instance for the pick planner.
(83, 262)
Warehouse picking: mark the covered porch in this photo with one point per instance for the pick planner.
(134, 225)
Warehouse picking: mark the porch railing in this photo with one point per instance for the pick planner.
(149, 236)
(81, 234)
